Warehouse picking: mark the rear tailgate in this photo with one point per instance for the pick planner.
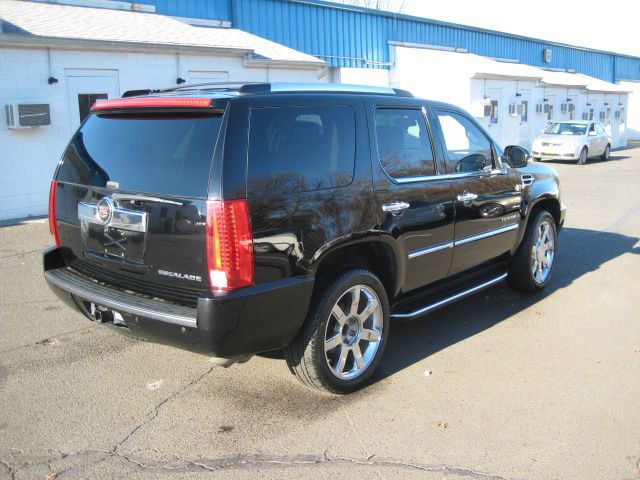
(131, 199)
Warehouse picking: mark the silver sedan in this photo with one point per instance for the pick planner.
(572, 140)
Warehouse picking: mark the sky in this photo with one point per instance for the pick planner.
(605, 25)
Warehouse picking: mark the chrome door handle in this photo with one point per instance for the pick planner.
(396, 208)
(467, 196)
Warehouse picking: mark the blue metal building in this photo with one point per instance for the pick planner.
(347, 36)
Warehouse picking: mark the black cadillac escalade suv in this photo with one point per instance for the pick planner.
(296, 217)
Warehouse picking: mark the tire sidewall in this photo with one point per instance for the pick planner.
(332, 295)
(583, 158)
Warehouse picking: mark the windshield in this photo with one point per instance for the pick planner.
(567, 129)
(165, 154)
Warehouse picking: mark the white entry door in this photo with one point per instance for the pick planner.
(85, 87)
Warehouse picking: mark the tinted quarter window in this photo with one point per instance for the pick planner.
(468, 149)
(298, 149)
(404, 147)
(166, 154)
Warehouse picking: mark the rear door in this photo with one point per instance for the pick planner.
(593, 141)
(486, 195)
(131, 200)
(413, 201)
(602, 136)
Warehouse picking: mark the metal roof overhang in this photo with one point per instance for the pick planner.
(19, 40)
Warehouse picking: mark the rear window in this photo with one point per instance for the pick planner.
(298, 149)
(163, 154)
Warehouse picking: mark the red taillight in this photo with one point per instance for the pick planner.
(229, 244)
(152, 103)
(53, 228)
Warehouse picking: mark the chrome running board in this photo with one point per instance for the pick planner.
(447, 300)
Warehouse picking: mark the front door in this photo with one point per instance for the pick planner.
(85, 87)
(413, 202)
(487, 196)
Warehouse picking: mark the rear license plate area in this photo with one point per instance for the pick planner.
(114, 243)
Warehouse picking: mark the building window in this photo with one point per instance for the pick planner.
(524, 117)
(86, 101)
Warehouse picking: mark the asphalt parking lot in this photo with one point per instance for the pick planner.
(500, 386)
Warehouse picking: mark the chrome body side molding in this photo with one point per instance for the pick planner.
(463, 241)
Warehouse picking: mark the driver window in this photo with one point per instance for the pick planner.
(592, 128)
(468, 149)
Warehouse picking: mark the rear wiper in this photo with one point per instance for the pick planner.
(144, 198)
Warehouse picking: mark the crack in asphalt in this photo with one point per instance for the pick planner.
(22, 254)
(12, 471)
(239, 461)
(158, 407)
(40, 342)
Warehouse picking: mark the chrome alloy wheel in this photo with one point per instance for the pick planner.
(543, 252)
(354, 332)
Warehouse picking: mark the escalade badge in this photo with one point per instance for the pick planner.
(104, 211)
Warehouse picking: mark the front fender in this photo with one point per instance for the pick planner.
(544, 188)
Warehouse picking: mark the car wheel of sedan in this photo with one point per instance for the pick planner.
(531, 267)
(582, 159)
(344, 335)
(607, 152)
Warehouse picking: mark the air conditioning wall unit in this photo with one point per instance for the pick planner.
(520, 109)
(571, 107)
(27, 115)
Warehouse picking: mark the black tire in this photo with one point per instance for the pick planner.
(537, 159)
(605, 155)
(521, 270)
(584, 154)
(306, 356)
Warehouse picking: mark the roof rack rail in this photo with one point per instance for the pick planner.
(257, 88)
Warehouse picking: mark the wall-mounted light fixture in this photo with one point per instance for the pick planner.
(518, 95)
(569, 100)
(606, 104)
(180, 80)
(588, 104)
(52, 80)
(545, 99)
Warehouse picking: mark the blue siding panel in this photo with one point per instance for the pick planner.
(207, 9)
(347, 36)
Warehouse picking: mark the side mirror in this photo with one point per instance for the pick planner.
(516, 156)
(592, 133)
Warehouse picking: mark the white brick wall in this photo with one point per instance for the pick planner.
(28, 157)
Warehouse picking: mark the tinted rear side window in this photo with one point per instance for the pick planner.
(298, 149)
(404, 147)
(163, 154)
